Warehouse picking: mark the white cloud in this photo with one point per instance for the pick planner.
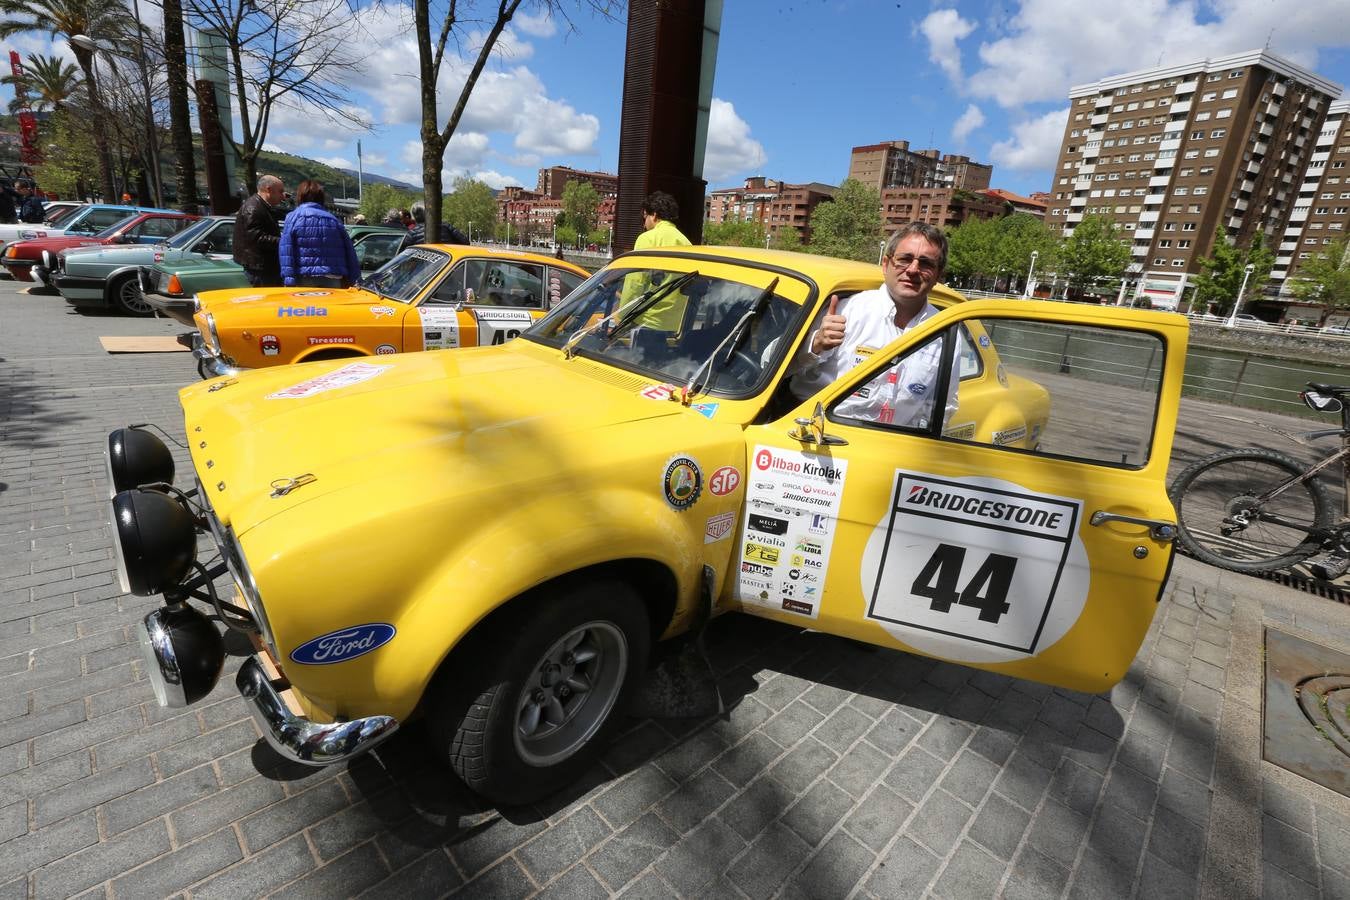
(1034, 144)
(731, 150)
(1051, 45)
(970, 120)
(373, 160)
(494, 179)
(540, 26)
(943, 28)
(337, 162)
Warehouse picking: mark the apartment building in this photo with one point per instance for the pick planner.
(945, 207)
(1321, 214)
(1174, 154)
(892, 164)
(771, 203)
(1033, 205)
(553, 179)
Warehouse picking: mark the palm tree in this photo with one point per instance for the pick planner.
(49, 81)
(66, 18)
(180, 125)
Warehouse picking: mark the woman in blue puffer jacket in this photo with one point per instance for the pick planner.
(316, 250)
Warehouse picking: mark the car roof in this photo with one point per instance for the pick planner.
(483, 250)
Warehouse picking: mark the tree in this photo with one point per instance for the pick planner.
(99, 19)
(1094, 250)
(734, 234)
(1018, 236)
(70, 159)
(431, 56)
(291, 52)
(972, 252)
(849, 227)
(180, 121)
(378, 199)
(580, 202)
(1325, 276)
(1222, 273)
(566, 235)
(785, 237)
(471, 202)
(50, 82)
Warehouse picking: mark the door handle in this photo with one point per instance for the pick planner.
(1158, 529)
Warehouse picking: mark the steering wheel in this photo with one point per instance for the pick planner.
(744, 367)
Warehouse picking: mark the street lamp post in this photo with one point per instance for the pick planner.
(1237, 304)
(1026, 290)
(508, 232)
(152, 149)
(470, 231)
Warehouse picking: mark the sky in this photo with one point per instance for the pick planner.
(798, 83)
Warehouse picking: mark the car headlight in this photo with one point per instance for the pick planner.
(154, 539)
(212, 336)
(183, 654)
(175, 287)
(134, 458)
(11, 251)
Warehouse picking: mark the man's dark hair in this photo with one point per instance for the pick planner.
(311, 191)
(931, 233)
(661, 205)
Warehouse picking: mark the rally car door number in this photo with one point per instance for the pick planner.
(497, 326)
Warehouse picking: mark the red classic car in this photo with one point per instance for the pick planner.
(34, 260)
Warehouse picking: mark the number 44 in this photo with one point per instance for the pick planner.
(986, 591)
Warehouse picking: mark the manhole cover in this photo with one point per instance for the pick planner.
(1307, 714)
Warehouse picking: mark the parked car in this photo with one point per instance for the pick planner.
(170, 286)
(429, 297)
(109, 276)
(494, 538)
(85, 219)
(35, 260)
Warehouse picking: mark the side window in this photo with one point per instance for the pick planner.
(498, 282)
(100, 219)
(904, 394)
(161, 227)
(561, 282)
(451, 289)
(221, 238)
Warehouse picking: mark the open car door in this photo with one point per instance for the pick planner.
(988, 490)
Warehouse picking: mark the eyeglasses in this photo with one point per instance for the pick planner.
(927, 264)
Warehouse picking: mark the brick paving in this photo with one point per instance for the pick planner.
(841, 770)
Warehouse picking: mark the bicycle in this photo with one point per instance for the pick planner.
(1258, 511)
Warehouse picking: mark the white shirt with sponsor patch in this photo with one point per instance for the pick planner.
(902, 395)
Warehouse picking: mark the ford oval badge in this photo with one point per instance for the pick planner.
(340, 646)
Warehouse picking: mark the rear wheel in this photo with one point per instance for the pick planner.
(524, 711)
(1221, 519)
(127, 297)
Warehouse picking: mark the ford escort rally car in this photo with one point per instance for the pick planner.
(497, 539)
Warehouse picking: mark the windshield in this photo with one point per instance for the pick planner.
(188, 236)
(111, 230)
(670, 324)
(404, 276)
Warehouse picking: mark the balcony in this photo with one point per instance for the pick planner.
(1279, 90)
(1247, 186)
(1164, 163)
(1260, 149)
(1159, 181)
(1181, 106)
(1139, 251)
(1155, 199)
(1272, 108)
(1265, 130)
(1187, 87)
(1074, 217)
(1235, 222)
(1100, 118)
(1173, 145)
(1300, 141)
(1240, 205)
(1253, 168)
(1143, 234)
(1087, 168)
(1103, 101)
(1148, 216)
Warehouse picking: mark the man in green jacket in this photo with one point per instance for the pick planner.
(659, 211)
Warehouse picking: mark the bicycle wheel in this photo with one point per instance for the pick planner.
(1220, 520)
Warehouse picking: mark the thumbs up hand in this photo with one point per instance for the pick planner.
(830, 334)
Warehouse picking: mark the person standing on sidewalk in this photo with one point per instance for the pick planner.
(30, 204)
(316, 250)
(257, 236)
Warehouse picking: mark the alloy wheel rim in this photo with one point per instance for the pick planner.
(569, 692)
(132, 298)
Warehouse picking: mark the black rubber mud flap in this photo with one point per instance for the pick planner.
(682, 685)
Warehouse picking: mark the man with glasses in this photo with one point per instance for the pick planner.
(854, 328)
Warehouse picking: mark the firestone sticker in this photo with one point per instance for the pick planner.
(339, 378)
(440, 329)
(792, 504)
(682, 482)
(975, 569)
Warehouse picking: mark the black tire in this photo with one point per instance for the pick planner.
(1263, 538)
(125, 293)
(490, 706)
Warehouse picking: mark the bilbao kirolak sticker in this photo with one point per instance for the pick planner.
(682, 482)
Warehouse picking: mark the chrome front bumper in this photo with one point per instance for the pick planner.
(299, 739)
(211, 363)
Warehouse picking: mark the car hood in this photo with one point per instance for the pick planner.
(33, 249)
(419, 426)
(117, 255)
(316, 305)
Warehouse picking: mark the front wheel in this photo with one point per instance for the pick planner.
(126, 294)
(1221, 519)
(525, 710)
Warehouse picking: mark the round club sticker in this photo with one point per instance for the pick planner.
(682, 483)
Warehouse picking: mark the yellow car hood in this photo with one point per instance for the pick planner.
(292, 306)
(424, 422)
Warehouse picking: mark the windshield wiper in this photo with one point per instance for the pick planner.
(629, 311)
(732, 340)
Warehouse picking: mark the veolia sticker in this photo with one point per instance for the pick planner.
(440, 328)
(340, 646)
(975, 569)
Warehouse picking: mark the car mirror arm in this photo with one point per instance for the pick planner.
(812, 430)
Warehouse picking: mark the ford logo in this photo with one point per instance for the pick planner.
(340, 646)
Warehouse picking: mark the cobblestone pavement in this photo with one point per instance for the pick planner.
(842, 770)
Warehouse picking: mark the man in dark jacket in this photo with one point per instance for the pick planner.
(257, 237)
(8, 212)
(418, 234)
(30, 205)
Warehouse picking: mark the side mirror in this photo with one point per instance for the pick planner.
(812, 431)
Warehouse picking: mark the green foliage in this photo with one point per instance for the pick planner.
(580, 202)
(1096, 249)
(378, 199)
(1221, 274)
(69, 157)
(850, 226)
(972, 251)
(599, 237)
(980, 249)
(566, 235)
(471, 203)
(49, 81)
(1325, 276)
(785, 237)
(734, 234)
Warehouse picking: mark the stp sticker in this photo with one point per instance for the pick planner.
(682, 482)
(724, 481)
(975, 569)
(269, 345)
(346, 376)
(719, 526)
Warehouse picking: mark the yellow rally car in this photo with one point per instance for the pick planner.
(429, 297)
(498, 539)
